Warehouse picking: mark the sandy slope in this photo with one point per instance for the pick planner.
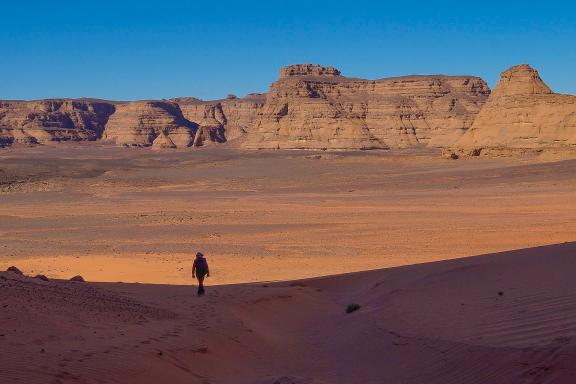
(501, 318)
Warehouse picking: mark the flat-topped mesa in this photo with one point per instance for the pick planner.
(308, 70)
(314, 107)
(521, 113)
(520, 80)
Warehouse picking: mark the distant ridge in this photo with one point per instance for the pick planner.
(316, 107)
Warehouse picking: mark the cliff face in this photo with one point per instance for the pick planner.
(523, 112)
(182, 122)
(314, 107)
(221, 120)
(43, 121)
(140, 123)
(309, 107)
(176, 123)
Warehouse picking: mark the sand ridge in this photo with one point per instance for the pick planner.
(483, 319)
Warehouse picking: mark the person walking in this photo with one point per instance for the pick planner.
(200, 270)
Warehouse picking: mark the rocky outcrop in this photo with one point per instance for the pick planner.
(44, 121)
(522, 113)
(308, 70)
(221, 120)
(15, 270)
(314, 107)
(163, 142)
(141, 123)
(176, 123)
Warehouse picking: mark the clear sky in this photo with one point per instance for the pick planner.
(128, 50)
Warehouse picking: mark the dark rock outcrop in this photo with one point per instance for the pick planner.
(15, 270)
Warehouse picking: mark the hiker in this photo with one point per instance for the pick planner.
(199, 271)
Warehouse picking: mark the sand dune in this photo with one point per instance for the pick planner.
(499, 318)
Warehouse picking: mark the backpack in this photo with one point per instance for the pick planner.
(201, 266)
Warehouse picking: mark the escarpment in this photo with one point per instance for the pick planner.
(314, 107)
(221, 120)
(175, 123)
(45, 121)
(140, 123)
(182, 122)
(522, 113)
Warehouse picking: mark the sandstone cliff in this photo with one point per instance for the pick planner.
(43, 121)
(221, 120)
(314, 107)
(140, 123)
(522, 112)
(176, 123)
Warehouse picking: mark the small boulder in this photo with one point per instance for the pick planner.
(450, 154)
(78, 278)
(15, 270)
(42, 277)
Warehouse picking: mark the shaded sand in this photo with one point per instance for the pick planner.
(501, 318)
(113, 214)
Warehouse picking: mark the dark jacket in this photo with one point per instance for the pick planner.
(200, 267)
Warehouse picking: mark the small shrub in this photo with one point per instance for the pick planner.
(352, 307)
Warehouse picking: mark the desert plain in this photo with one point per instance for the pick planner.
(467, 266)
(111, 214)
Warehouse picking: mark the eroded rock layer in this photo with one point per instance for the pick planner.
(176, 123)
(314, 107)
(44, 121)
(141, 123)
(221, 120)
(522, 112)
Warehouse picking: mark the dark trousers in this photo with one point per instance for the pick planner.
(200, 284)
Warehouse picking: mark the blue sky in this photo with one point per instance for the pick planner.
(129, 50)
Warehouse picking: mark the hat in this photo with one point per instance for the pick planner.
(199, 254)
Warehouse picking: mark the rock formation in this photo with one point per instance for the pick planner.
(43, 121)
(522, 112)
(221, 120)
(140, 123)
(314, 107)
(15, 270)
(176, 123)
